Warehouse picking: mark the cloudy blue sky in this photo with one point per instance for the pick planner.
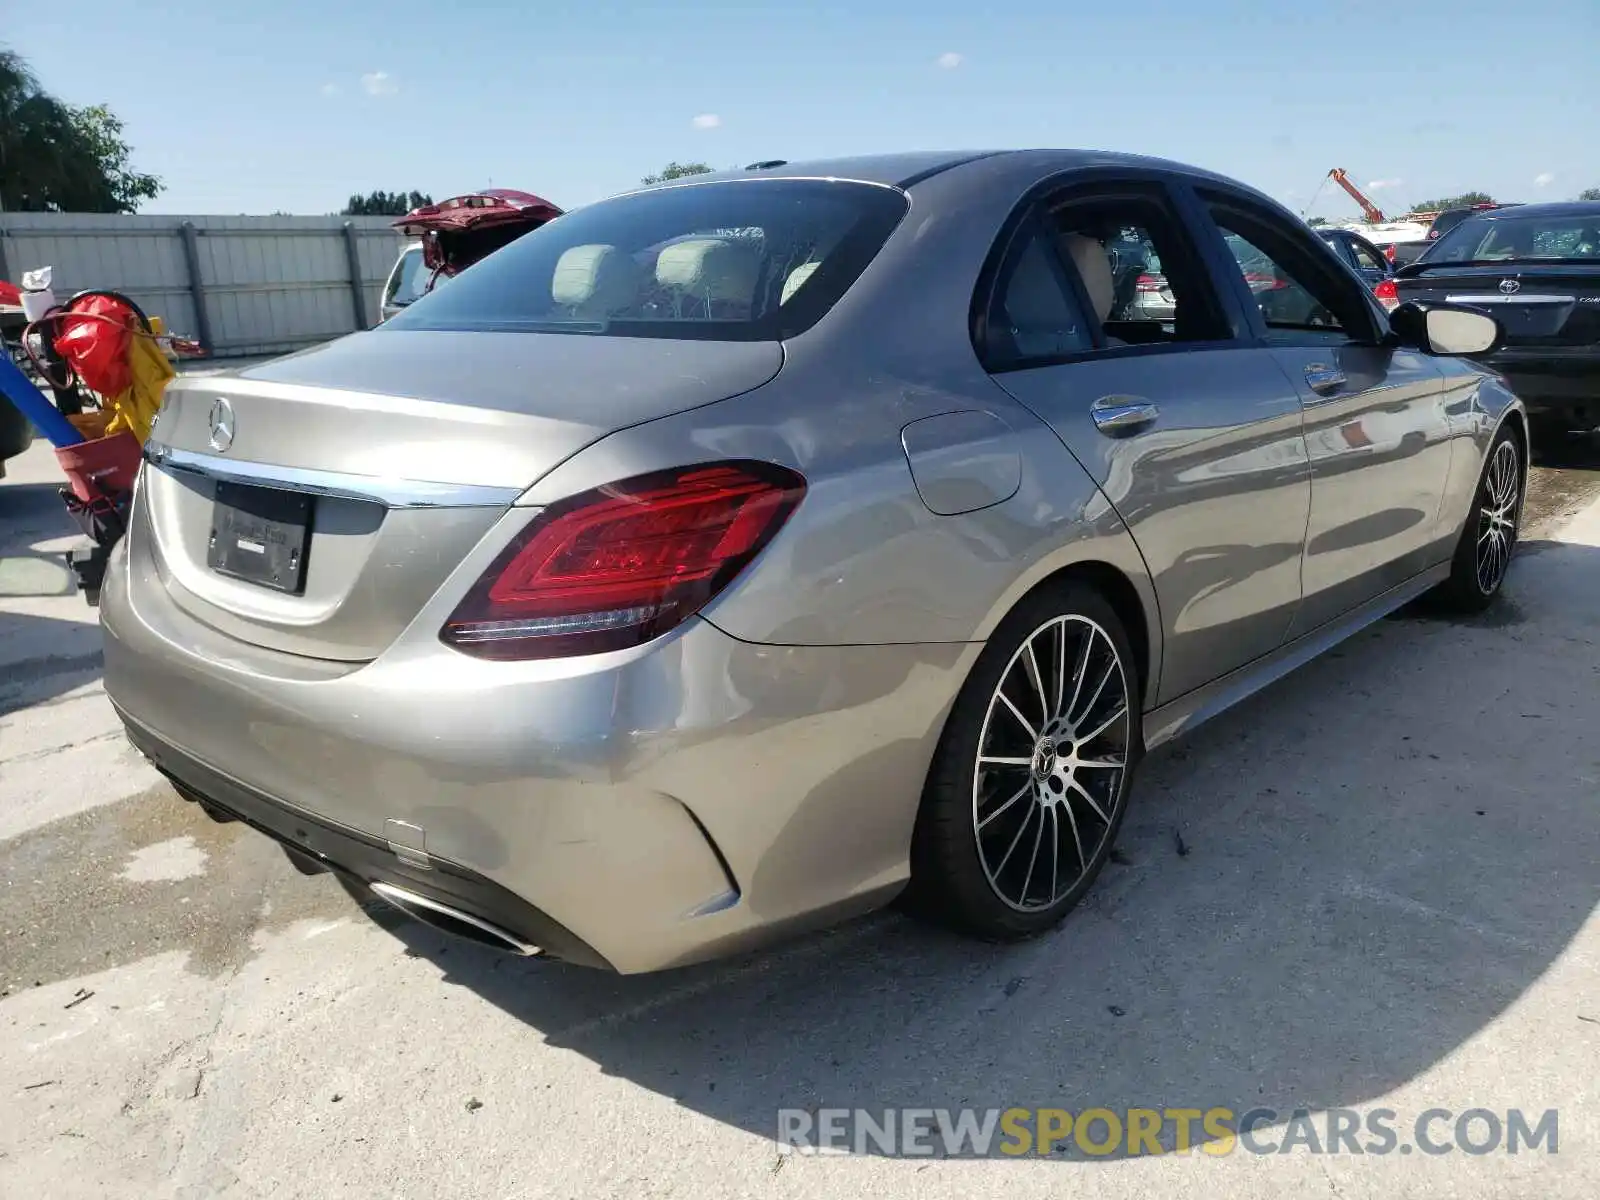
(293, 105)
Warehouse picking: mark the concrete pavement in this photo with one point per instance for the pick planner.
(1386, 897)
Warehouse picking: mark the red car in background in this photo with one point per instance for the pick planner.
(448, 237)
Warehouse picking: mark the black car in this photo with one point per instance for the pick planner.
(1537, 268)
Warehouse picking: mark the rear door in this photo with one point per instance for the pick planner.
(1375, 416)
(1187, 425)
(1367, 260)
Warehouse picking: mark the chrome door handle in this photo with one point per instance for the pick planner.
(1325, 379)
(1122, 414)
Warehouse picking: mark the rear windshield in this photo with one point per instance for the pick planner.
(1499, 239)
(742, 260)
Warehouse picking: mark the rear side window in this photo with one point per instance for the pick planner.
(1032, 317)
(1100, 270)
(1366, 259)
(748, 260)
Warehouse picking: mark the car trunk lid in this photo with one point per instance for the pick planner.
(1555, 304)
(314, 504)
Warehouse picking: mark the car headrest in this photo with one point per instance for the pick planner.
(797, 279)
(595, 278)
(710, 269)
(1094, 267)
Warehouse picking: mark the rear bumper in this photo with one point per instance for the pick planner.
(1558, 390)
(356, 855)
(643, 809)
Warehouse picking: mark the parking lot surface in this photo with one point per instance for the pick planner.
(1373, 886)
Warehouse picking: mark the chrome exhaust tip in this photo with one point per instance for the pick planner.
(453, 921)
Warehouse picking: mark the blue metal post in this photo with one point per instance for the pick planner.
(35, 405)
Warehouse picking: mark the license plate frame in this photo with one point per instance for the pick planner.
(260, 536)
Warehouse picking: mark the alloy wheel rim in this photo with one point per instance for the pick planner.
(1051, 763)
(1498, 516)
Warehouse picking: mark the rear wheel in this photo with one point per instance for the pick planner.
(1031, 779)
(1489, 537)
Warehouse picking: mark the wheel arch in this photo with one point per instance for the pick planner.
(1131, 596)
(1515, 418)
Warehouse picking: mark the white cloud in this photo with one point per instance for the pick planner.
(706, 121)
(330, 89)
(1383, 185)
(379, 83)
(1544, 179)
(949, 61)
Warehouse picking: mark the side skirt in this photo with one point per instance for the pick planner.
(1180, 716)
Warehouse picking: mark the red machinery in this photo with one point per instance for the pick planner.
(456, 233)
(1370, 210)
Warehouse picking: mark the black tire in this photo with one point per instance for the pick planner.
(1488, 542)
(959, 878)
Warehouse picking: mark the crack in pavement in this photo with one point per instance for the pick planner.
(51, 751)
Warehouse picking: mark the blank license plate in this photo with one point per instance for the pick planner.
(260, 535)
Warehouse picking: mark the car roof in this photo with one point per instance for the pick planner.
(893, 170)
(905, 170)
(1561, 208)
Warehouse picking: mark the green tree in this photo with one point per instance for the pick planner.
(100, 131)
(676, 170)
(1589, 194)
(385, 204)
(1465, 200)
(55, 157)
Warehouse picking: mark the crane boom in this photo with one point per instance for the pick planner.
(1373, 213)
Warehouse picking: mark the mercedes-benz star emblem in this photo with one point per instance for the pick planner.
(221, 425)
(1509, 287)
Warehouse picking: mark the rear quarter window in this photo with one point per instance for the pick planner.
(738, 260)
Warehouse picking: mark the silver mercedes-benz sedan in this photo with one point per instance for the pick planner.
(737, 554)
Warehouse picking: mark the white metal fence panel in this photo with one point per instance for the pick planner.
(239, 285)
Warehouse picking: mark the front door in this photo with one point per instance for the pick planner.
(1376, 429)
(1190, 429)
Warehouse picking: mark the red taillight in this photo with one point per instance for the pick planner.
(1148, 283)
(624, 563)
(1388, 294)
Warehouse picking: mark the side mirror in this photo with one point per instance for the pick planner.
(1439, 328)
